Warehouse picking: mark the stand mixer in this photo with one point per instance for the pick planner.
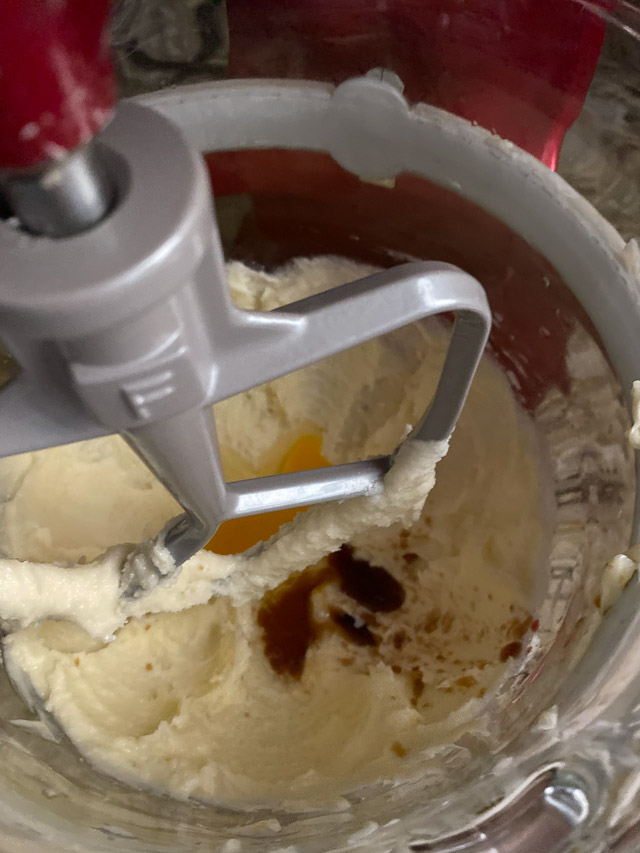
(129, 286)
(114, 301)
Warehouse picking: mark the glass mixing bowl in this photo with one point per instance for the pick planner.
(558, 765)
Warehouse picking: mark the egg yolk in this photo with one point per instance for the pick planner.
(238, 534)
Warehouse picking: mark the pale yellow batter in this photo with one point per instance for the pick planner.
(191, 702)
